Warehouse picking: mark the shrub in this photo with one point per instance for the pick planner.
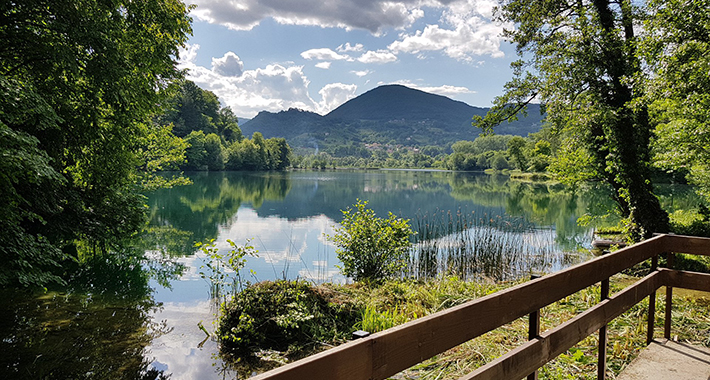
(284, 316)
(371, 248)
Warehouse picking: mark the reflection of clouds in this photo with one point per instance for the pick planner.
(177, 352)
(319, 275)
(284, 244)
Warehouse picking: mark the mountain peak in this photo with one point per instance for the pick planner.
(392, 102)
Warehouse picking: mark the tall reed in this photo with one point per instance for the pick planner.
(473, 247)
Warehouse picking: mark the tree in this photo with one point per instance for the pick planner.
(371, 248)
(193, 109)
(80, 81)
(516, 147)
(228, 127)
(214, 152)
(279, 152)
(677, 43)
(581, 61)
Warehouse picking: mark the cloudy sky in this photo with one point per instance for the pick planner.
(316, 54)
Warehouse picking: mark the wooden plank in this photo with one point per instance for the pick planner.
(686, 244)
(352, 360)
(534, 354)
(686, 279)
(403, 346)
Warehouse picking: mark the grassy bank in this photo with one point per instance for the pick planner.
(322, 316)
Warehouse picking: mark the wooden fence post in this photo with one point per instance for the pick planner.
(533, 328)
(669, 301)
(651, 306)
(601, 362)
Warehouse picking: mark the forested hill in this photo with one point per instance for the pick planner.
(387, 114)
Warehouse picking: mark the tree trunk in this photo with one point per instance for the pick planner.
(626, 136)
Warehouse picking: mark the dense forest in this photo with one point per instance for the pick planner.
(211, 137)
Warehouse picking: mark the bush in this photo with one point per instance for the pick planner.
(371, 248)
(284, 316)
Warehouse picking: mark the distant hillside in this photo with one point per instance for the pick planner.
(391, 114)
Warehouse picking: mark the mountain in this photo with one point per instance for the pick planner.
(391, 114)
(394, 102)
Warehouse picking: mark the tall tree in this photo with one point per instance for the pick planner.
(580, 59)
(677, 44)
(79, 81)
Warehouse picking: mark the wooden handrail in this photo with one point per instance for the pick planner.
(384, 354)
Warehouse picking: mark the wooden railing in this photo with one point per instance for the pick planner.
(381, 355)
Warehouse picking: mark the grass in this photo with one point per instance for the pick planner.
(377, 307)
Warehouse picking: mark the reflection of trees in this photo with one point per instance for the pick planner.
(212, 200)
(544, 204)
(99, 328)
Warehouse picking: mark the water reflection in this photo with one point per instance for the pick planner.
(211, 201)
(98, 328)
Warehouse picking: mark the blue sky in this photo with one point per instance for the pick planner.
(316, 54)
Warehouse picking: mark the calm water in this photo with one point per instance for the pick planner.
(140, 320)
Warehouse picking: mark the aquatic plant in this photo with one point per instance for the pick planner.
(471, 247)
(223, 270)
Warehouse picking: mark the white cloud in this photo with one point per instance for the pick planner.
(335, 94)
(348, 48)
(379, 56)
(323, 65)
(274, 88)
(445, 90)
(323, 54)
(229, 65)
(371, 15)
(468, 31)
(361, 73)
(188, 53)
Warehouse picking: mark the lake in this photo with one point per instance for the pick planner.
(141, 320)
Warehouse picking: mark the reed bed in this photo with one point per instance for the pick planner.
(472, 247)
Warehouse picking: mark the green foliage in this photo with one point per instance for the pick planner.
(371, 248)
(285, 316)
(581, 60)
(498, 161)
(224, 270)
(373, 320)
(687, 222)
(516, 147)
(160, 150)
(79, 81)
(677, 46)
(192, 109)
(213, 138)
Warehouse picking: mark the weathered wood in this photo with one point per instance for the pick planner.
(686, 279)
(651, 322)
(534, 333)
(352, 360)
(686, 244)
(601, 359)
(534, 354)
(669, 300)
